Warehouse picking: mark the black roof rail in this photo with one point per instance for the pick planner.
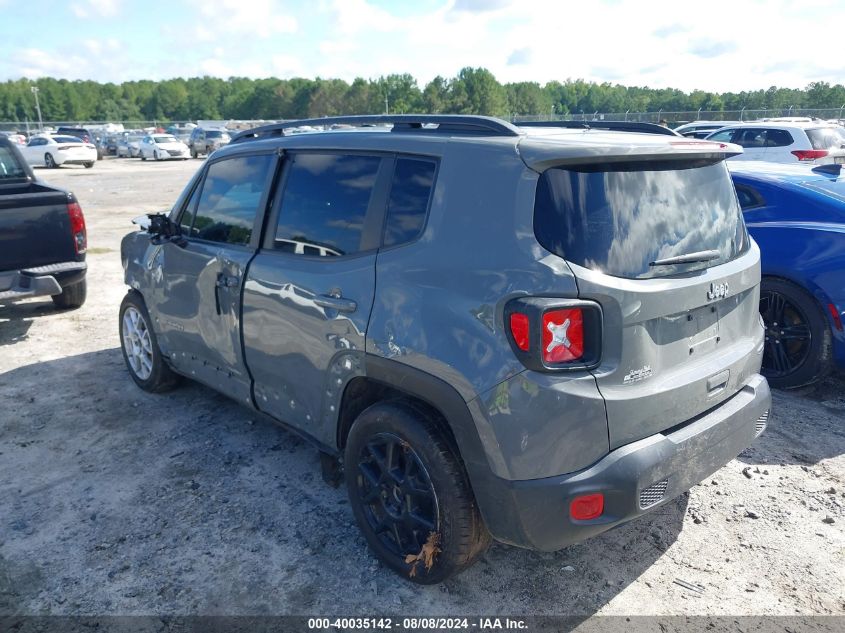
(453, 123)
(615, 126)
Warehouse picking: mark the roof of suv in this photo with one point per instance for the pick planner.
(540, 144)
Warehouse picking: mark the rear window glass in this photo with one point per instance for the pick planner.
(834, 188)
(68, 139)
(826, 138)
(618, 219)
(9, 166)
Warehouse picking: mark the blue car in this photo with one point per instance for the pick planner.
(796, 213)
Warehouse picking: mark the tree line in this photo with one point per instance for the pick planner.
(472, 91)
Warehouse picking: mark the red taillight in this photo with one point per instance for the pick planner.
(77, 227)
(587, 507)
(520, 330)
(837, 320)
(809, 154)
(563, 335)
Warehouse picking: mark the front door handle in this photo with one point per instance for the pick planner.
(226, 281)
(223, 281)
(336, 303)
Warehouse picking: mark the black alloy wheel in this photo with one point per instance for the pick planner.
(396, 492)
(796, 348)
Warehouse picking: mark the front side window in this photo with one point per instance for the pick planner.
(620, 219)
(410, 192)
(325, 203)
(230, 198)
(724, 136)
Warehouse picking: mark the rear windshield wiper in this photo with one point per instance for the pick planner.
(689, 258)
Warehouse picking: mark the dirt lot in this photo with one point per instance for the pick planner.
(114, 501)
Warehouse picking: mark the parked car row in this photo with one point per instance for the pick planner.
(779, 140)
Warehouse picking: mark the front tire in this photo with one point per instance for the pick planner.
(72, 296)
(797, 339)
(410, 494)
(139, 345)
(89, 164)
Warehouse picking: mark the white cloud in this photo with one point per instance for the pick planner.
(102, 8)
(223, 19)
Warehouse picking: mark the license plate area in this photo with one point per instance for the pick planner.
(702, 329)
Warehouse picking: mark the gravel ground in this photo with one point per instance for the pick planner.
(114, 501)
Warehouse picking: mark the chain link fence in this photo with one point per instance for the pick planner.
(673, 118)
(677, 118)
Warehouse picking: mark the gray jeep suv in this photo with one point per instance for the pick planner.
(532, 334)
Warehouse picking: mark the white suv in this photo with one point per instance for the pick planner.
(815, 142)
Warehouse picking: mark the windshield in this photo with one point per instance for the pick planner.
(164, 139)
(617, 219)
(826, 138)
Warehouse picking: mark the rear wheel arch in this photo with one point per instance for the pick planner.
(390, 379)
(816, 358)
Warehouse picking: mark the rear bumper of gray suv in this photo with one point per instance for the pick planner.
(634, 479)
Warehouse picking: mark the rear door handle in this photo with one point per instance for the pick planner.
(336, 303)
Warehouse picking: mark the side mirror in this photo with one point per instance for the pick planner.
(161, 229)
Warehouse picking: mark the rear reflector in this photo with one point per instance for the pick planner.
(520, 330)
(77, 227)
(563, 335)
(837, 320)
(809, 154)
(587, 507)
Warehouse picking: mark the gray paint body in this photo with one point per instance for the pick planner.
(433, 308)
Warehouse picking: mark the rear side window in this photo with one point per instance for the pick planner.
(230, 197)
(778, 138)
(9, 166)
(325, 203)
(750, 137)
(619, 219)
(826, 138)
(410, 192)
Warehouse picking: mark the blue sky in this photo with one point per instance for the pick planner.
(718, 46)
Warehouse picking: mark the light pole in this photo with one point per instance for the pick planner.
(840, 111)
(38, 108)
(699, 115)
(741, 113)
(626, 114)
(385, 105)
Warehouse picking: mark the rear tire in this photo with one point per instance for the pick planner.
(797, 339)
(139, 346)
(49, 161)
(89, 164)
(410, 494)
(72, 296)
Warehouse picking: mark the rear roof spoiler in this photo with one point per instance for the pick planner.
(614, 126)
